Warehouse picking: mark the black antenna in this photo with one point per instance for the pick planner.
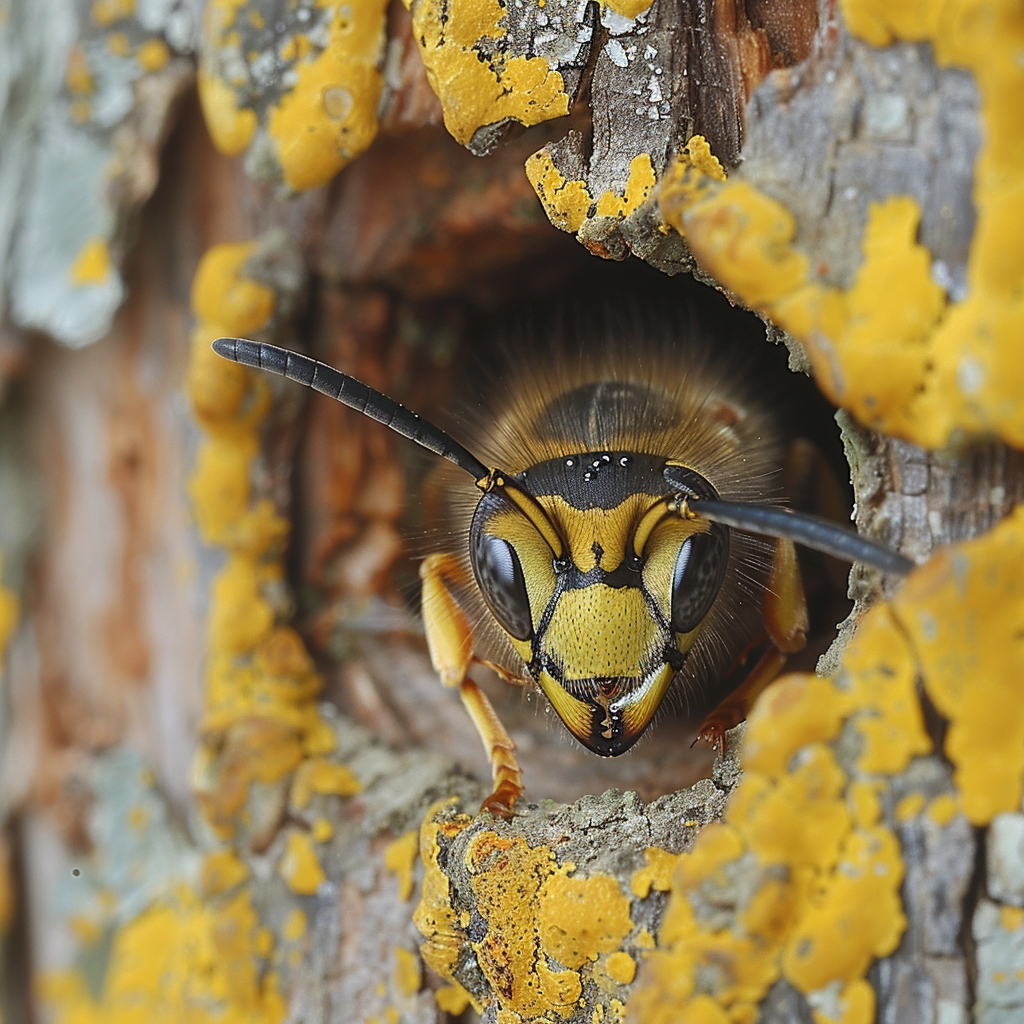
(353, 393)
(811, 531)
(772, 521)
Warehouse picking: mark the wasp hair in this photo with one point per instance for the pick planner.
(801, 528)
(353, 393)
(767, 520)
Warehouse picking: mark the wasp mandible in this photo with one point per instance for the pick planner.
(612, 543)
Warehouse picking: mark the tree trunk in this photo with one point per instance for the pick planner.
(232, 785)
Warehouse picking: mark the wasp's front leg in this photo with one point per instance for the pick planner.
(784, 611)
(450, 642)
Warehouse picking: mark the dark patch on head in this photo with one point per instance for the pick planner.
(591, 413)
(598, 479)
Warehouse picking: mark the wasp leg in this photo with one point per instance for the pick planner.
(450, 642)
(784, 611)
(503, 673)
(811, 482)
(784, 608)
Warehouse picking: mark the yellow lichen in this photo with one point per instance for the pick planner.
(655, 874)
(330, 115)
(856, 914)
(119, 44)
(153, 55)
(318, 775)
(638, 188)
(1011, 919)
(627, 8)
(824, 873)
(507, 876)
(92, 264)
(797, 818)
(106, 12)
(697, 154)
(8, 900)
(296, 47)
(295, 926)
(222, 871)
(809, 837)
(300, 867)
(224, 295)
(206, 954)
(964, 614)
(231, 126)
(813, 710)
(943, 809)
(220, 494)
(744, 239)
(950, 367)
(77, 74)
(453, 999)
(261, 721)
(85, 929)
(407, 975)
(854, 1003)
(568, 204)
(435, 918)
(475, 91)
(863, 801)
(580, 918)
(217, 388)
(323, 830)
(880, 673)
(400, 858)
(909, 807)
(9, 609)
(620, 967)
(549, 928)
(565, 202)
(180, 959)
(241, 617)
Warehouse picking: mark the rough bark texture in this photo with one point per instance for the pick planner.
(266, 852)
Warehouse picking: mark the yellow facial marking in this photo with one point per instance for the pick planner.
(573, 712)
(598, 652)
(524, 648)
(535, 556)
(533, 511)
(622, 719)
(602, 632)
(660, 558)
(611, 528)
(640, 709)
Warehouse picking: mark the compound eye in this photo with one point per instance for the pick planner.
(697, 577)
(499, 574)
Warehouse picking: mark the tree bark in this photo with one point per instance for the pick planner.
(221, 738)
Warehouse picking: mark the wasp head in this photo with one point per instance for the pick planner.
(600, 585)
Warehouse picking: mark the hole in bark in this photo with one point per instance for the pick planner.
(431, 354)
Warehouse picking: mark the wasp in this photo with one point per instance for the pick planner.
(624, 534)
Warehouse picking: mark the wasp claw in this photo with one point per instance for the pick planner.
(501, 802)
(713, 732)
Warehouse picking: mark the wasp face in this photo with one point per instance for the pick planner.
(600, 588)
